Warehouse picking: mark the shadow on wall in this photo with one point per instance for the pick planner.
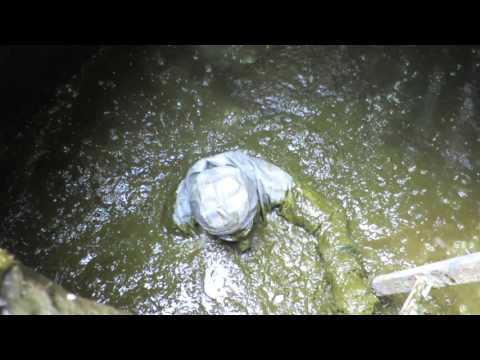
(30, 75)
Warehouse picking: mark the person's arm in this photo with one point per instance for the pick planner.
(182, 215)
(328, 222)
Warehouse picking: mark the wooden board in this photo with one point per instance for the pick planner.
(420, 291)
(455, 271)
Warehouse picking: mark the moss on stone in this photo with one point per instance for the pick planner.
(24, 292)
(6, 260)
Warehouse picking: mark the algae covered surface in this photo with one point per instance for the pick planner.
(390, 135)
(24, 292)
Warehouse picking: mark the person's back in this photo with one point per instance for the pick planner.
(226, 193)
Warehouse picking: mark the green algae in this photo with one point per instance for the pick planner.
(376, 131)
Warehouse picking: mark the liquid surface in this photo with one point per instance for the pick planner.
(393, 133)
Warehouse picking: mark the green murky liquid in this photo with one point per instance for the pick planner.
(392, 133)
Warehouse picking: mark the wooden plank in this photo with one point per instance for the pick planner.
(420, 291)
(455, 271)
